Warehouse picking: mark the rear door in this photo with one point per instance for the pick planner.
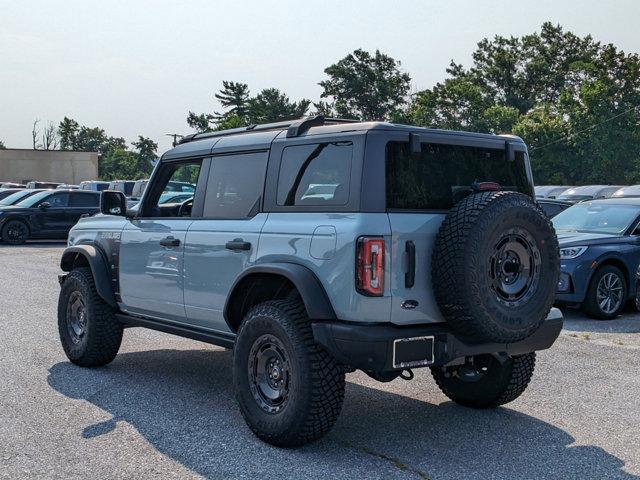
(82, 204)
(224, 242)
(421, 188)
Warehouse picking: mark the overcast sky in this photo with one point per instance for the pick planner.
(137, 67)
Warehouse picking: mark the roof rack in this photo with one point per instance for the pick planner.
(294, 128)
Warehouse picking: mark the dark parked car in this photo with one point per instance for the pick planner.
(552, 207)
(46, 214)
(599, 255)
(5, 192)
(588, 192)
(19, 196)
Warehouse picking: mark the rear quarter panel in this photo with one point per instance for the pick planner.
(326, 243)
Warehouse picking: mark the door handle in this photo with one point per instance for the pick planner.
(170, 242)
(238, 244)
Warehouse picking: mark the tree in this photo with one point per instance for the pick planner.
(234, 97)
(2, 147)
(271, 105)
(68, 132)
(146, 150)
(572, 99)
(365, 86)
(120, 163)
(49, 139)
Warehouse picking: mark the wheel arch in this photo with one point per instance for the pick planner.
(92, 257)
(272, 281)
(18, 219)
(620, 264)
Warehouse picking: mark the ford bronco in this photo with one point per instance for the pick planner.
(319, 246)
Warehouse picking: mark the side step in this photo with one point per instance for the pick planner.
(220, 339)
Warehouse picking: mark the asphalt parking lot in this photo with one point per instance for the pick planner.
(164, 408)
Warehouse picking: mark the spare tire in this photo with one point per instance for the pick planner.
(495, 267)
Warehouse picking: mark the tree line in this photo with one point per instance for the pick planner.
(574, 100)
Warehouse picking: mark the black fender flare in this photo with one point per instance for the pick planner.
(311, 290)
(99, 269)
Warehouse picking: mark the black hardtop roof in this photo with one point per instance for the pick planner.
(200, 143)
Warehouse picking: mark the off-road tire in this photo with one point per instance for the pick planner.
(8, 238)
(101, 339)
(316, 388)
(501, 384)
(590, 305)
(464, 255)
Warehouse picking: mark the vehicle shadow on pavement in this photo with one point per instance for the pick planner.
(56, 244)
(182, 403)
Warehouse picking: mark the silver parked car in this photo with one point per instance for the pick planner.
(588, 192)
(550, 191)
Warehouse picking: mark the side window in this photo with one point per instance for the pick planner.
(315, 174)
(84, 200)
(235, 185)
(170, 173)
(57, 200)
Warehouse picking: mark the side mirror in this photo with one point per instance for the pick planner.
(44, 205)
(113, 202)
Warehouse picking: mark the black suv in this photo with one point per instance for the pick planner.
(47, 214)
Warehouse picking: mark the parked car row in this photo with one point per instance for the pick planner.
(46, 210)
(573, 194)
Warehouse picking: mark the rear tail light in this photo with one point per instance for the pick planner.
(370, 266)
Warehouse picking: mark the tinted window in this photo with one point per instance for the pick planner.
(85, 200)
(235, 185)
(441, 175)
(58, 200)
(316, 174)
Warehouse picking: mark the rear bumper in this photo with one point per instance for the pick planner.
(371, 347)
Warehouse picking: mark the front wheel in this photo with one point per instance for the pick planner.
(15, 232)
(289, 389)
(607, 294)
(486, 381)
(89, 331)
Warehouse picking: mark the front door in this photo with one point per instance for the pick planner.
(224, 242)
(52, 217)
(152, 249)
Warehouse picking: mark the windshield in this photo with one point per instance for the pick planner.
(15, 197)
(596, 217)
(33, 200)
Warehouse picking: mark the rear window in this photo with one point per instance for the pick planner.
(442, 175)
(84, 200)
(315, 174)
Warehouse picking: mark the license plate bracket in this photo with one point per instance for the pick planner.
(413, 352)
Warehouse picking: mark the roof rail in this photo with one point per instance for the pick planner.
(294, 128)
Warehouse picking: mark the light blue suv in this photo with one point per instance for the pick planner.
(320, 246)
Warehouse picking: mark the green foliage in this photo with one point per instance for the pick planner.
(270, 105)
(365, 86)
(573, 100)
(115, 161)
(2, 147)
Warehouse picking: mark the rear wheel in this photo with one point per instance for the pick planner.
(485, 381)
(289, 389)
(607, 294)
(15, 232)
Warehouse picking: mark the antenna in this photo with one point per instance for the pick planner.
(175, 137)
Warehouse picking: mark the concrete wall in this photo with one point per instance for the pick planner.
(17, 165)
